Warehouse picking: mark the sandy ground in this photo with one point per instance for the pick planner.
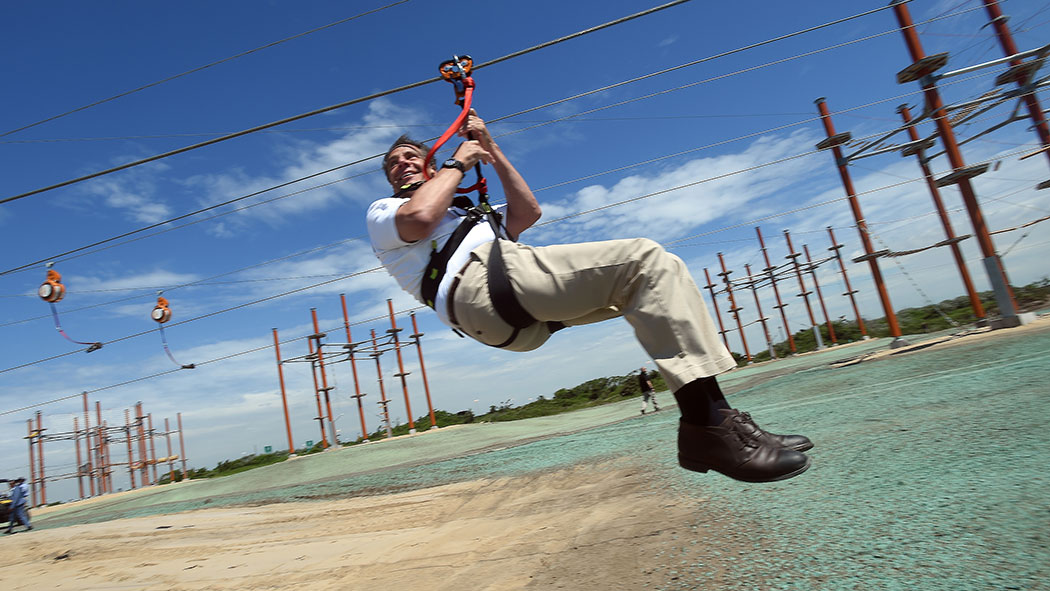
(547, 531)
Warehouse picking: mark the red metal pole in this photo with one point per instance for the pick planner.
(416, 335)
(793, 257)
(836, 247)
(131, 454)
(80, 467)
(284, 396)
(961, 175)
(103, 467)
(353, 367)
(949, 232)
(862, 225)
(30, 435)
(109, 472)
(152, 449)
(140, 424)
(761, 317)
(714, 304)
(733, 308)
(382, 391)
(820, 296)
(324, 377)
(88, 451)
(770, 269)
(394, 330)
(182, 447)
(1006, 41)
(171, 465)
(40, 456)
(317, 395)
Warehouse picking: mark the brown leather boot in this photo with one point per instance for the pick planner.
(795, 442)
(735, 449)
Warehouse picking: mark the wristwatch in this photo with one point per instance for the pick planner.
(453, 163)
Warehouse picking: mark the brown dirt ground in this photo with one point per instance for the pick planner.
(587, 527)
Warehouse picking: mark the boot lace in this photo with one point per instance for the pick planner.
(746, 431)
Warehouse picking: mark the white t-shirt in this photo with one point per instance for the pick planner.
(406, 261)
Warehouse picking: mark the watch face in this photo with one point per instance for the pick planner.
(453, 163)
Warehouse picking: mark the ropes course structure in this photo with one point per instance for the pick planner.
(770, 277)
(96, 464)
(923, 70)
(322, 355)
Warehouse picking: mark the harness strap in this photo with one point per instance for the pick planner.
(436, 266)
(502, 292)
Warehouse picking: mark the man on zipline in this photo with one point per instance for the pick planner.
(551, 287)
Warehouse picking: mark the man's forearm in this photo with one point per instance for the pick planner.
(522, 208)
(418, 217)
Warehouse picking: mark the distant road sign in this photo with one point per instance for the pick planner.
(268, 449)
(310, 443)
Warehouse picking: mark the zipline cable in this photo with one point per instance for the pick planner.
(58, 257)
(368, 127)
(327, 109)
(209, 361)
(132, 232)
(327, 246)
(182, 217)
(201, 281)
(751, 222)
(203, 316)
(604, 208)
(199, 68)
(943, 15)
(607, 206)
(777, 214)
(706, 59)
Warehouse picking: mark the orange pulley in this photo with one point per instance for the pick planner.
(161, 312)
(52, 289)
(457, 71)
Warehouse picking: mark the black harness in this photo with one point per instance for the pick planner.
(501, 291)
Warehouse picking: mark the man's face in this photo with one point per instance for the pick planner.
(405, 166)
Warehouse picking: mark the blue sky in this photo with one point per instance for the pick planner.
(733, 115)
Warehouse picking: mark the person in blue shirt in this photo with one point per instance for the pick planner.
(19, 504)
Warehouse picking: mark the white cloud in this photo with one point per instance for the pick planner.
(135, 191)
(686, 196)
(380, 125)
(667, 41)
(157, 278)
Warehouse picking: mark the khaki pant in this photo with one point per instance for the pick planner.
(582, 283)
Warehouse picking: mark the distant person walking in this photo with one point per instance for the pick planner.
(646, 386)
(19, 502)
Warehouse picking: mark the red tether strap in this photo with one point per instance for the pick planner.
(468, 95)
